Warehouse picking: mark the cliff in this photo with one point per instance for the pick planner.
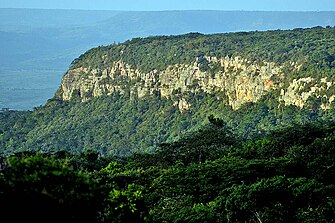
(240, 80)
(239, 67)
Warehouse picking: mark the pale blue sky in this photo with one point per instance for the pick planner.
(155, 5)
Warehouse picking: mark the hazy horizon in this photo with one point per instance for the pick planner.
(153, 5)
(168, 10)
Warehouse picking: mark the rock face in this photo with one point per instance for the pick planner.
(240, 80)
(300, 90)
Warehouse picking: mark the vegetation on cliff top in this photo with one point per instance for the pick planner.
(313, 47)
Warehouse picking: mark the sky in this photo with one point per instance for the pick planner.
(159, 5)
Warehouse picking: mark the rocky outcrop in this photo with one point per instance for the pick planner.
(300, 90)
(239, 79)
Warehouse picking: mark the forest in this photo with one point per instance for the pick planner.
(211, 175)
(116, 158)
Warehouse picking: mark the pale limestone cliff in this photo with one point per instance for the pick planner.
(239, 79)
(301, 89)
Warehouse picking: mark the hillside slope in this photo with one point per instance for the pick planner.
(242, 67)
(138, 94)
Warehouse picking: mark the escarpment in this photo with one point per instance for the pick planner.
(238, 72)
(240, 80)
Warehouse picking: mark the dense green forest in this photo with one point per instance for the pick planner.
(117, 158)
(210, 175)
(118, 125)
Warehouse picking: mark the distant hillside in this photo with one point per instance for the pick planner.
(25, 20)
(138, 94)
(48, 40)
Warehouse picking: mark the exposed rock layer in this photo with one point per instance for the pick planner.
(240, 80)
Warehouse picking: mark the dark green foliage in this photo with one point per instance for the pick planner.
(208, 143)
(253, 189)
(285, 141)
(42, 189)
(277, 199)
(239, 183)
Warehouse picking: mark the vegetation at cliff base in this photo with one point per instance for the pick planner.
(119, 125)
(208, 176)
